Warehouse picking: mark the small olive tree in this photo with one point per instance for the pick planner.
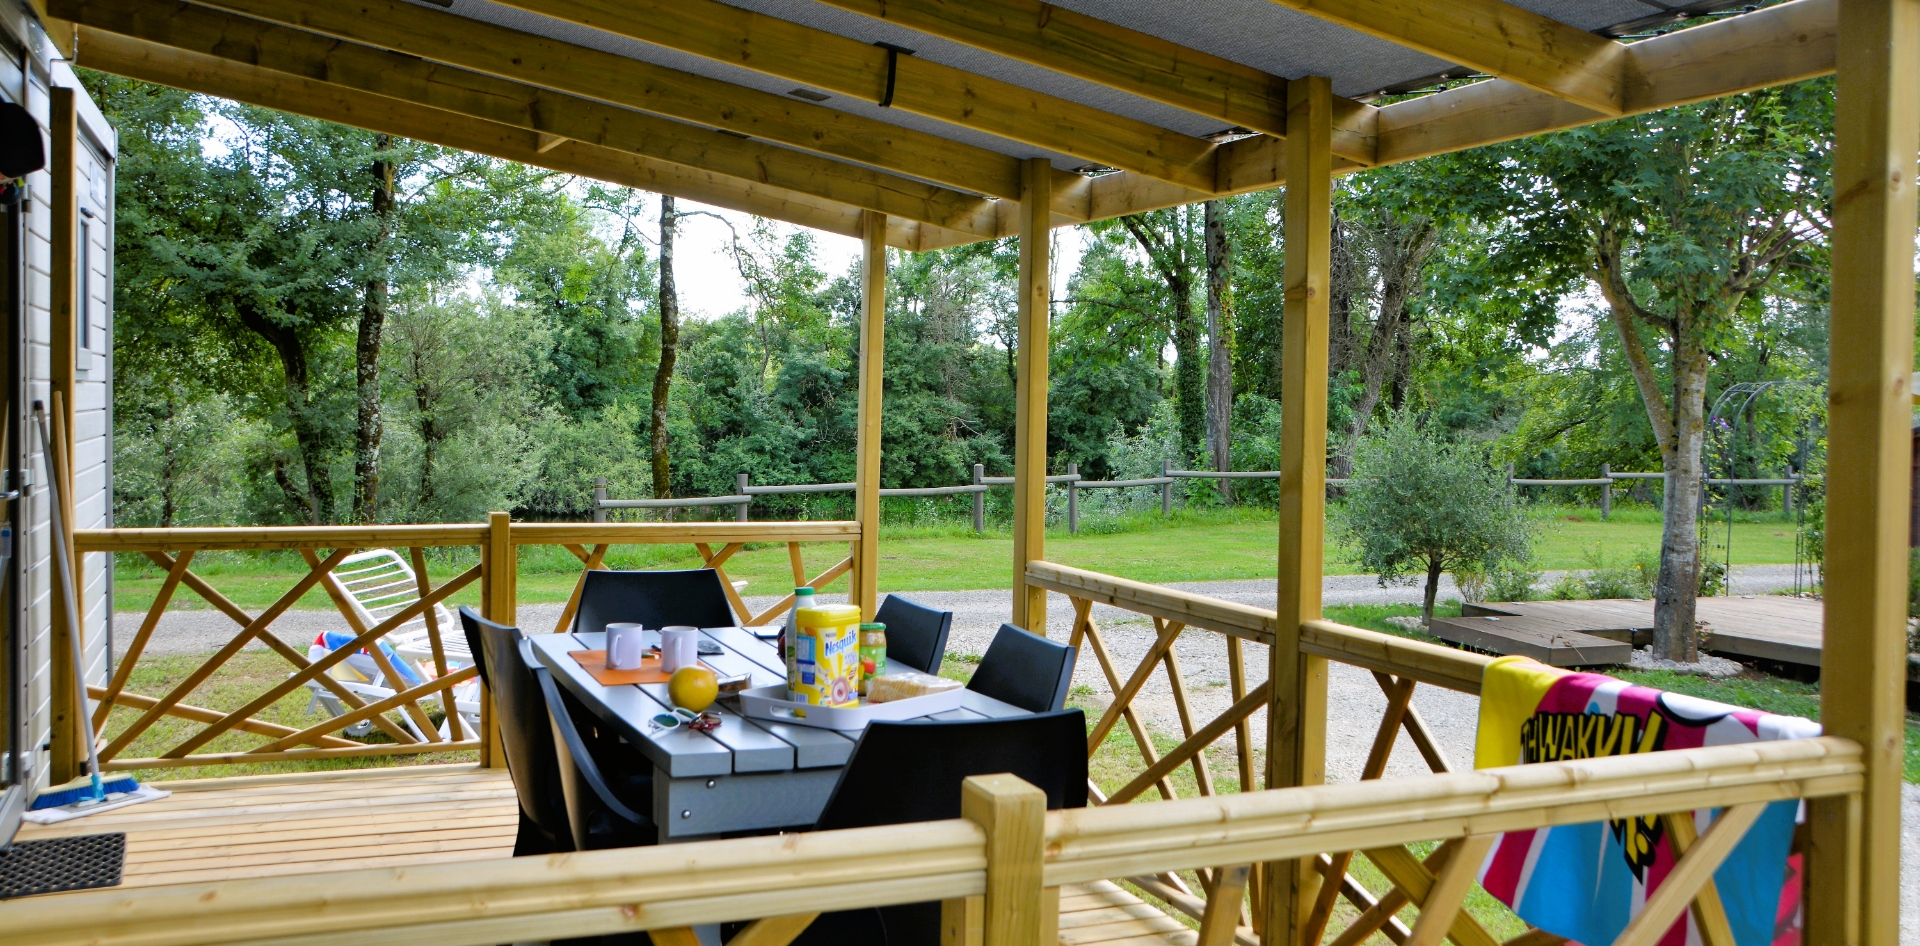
(1421, 504)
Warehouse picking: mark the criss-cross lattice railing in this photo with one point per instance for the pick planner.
(1440, 878)
(393, 593)
(401, 717)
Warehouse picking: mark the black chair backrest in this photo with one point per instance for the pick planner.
(916, 634)
(598, 817)
(526, 731)
(902, 772)
(693, 597)
(470, 622)
(912, 771)
(1026, 670)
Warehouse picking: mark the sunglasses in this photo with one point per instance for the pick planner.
(698, 722)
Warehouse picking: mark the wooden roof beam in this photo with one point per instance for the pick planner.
(1772, 46)
(844, 66)
(1496, 38)
(556, 116)
(138, 59)
(1052, 37)
(510, 54)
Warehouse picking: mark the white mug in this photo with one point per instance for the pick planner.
(679, 647)
(624, 647)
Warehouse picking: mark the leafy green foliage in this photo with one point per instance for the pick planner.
(1420, 506)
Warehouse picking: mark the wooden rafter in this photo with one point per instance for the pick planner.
(557, 116)
(845, 66)
(525, 57)
(1041, 34)
(1496, 38)
(122, 55)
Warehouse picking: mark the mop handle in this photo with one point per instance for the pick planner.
(63, 571)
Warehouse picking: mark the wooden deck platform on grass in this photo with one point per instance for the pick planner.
(1578, 633)
(230, 828)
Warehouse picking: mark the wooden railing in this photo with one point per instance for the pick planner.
(715, 541)
(1008, 851)
(1398, 665)
(401, 717)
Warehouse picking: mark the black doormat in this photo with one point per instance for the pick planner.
(56, 864)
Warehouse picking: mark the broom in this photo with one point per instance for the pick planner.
(96, 795)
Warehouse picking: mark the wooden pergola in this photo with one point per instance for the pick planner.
(920, 124)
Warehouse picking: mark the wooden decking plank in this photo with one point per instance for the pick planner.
(1768, 627)
(250, 782)
(216, 848)
(1550, 642)
(356, 853)
(1105, 932)
(1106, 914)
(282, 870)
(271, 832)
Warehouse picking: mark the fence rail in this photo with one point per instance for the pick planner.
(744, 491)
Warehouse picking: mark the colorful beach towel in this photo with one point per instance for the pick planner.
(1585, 882)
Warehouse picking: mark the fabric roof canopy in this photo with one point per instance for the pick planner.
(813, 111)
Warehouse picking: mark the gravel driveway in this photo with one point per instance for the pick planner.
(1355, 702)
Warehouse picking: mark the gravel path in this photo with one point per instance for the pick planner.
(1355, 702)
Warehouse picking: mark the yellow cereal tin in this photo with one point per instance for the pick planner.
(826, 656)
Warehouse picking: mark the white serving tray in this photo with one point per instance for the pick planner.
(771, 703)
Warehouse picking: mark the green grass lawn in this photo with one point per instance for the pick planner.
(1189, 546)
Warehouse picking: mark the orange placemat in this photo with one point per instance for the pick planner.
(594, 662)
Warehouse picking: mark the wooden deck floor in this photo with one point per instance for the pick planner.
(219, 829)
(1769, 627)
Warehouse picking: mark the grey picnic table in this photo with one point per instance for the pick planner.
(747, 775)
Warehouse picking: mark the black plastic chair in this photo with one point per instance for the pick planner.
(693, 597)
(903, 772)
(579, 788)
(916, 634)
(1026, 670)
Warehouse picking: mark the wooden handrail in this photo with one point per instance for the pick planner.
(1403, 657)
(1193, 610)
(1091, 843)
(1427, 663)
(246, 538)
(500, 900)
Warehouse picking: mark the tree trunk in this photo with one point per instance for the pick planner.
(1403, 258)
(373, 318)
(1189, 377)
(317, 504)
(1680, 430)
(669, 353)
(1219, 348)
(1676, 634)
(1433, 590)
(426, 402)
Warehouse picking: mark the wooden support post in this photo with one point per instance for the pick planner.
(1876, 137)
(1030, 396)
(599, 497)
(1297, 716)
(1606, 492)
(68, 752)
(1073, 500)
(873, 355)
(979, 499)
(500, 573)
(740, 487)
(1014, 815)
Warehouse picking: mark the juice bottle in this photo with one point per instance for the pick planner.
(802, 598)
(873, 653)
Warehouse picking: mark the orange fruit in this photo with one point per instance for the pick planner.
(693, 687)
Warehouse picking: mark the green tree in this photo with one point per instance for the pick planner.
(1677, 219)
(1421, 506)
